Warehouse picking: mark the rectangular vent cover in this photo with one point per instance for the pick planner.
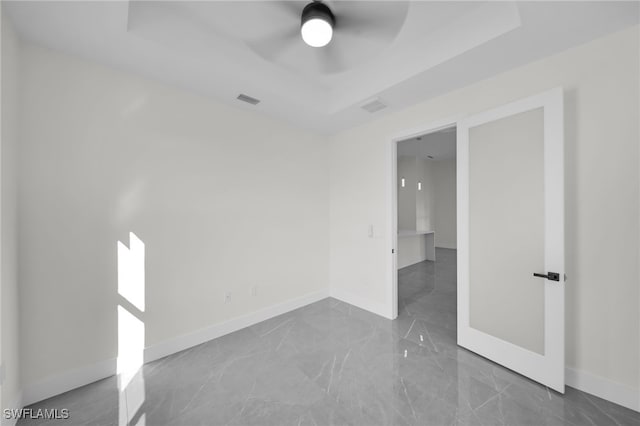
(374, 105)
(248, 99)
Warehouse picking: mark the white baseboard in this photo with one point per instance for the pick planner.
(604, 388)
(71, 379)
(412, 262)
(617, 393)
(17, 404)
(60, 383)
(177, 344)
(367, 305)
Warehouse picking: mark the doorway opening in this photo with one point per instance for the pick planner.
(509, 260)
(426, 230)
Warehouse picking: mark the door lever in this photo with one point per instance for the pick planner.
(551, 276)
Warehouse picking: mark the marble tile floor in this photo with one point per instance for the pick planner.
(330, 363)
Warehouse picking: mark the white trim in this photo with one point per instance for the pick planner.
(615, 392)
(368, 305)
(392, 231)
(180, 343)
(448, 247)
(391, 307)
(548, 368)
(414, 263)
(581, 380)
(71, 379)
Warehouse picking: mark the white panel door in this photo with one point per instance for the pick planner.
(510, 170)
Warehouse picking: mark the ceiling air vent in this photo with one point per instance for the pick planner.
(374, 105)
(248, 99)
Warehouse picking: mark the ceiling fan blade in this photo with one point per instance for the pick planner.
(270, 47)
(292, 7)
(380, 20)
(361, 27)
(330, 59)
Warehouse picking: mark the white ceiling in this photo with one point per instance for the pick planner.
(403, 52)
(435, 146)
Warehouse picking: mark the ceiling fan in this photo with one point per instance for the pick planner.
(317, 24)
(333, 30)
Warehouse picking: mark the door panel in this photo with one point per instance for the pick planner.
(510, 198)
(503, 195)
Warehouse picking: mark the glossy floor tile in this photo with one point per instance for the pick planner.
(330, 363)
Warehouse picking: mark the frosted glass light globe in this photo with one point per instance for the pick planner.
(316, 32)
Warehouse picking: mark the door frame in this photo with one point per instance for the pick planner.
(554, 158)
(547, 368)
(392, 204)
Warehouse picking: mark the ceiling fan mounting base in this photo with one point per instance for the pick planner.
(317, 10)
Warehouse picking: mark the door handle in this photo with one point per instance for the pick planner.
(551, 276)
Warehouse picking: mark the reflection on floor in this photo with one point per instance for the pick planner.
(332, 363)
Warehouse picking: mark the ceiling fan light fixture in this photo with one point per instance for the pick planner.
(317, 24)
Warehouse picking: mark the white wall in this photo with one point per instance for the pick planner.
(601, 111)
(223, 200)
(425, 197)
(8, 227)
(406, 196)
(415, 209)
(444, 177)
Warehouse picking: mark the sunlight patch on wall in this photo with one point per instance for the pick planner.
(131, 271)
(131, 330)
(130, 345)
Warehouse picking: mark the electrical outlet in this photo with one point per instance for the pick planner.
(254, 290)
(227, 297)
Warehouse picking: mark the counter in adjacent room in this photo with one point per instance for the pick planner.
(415, 246)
